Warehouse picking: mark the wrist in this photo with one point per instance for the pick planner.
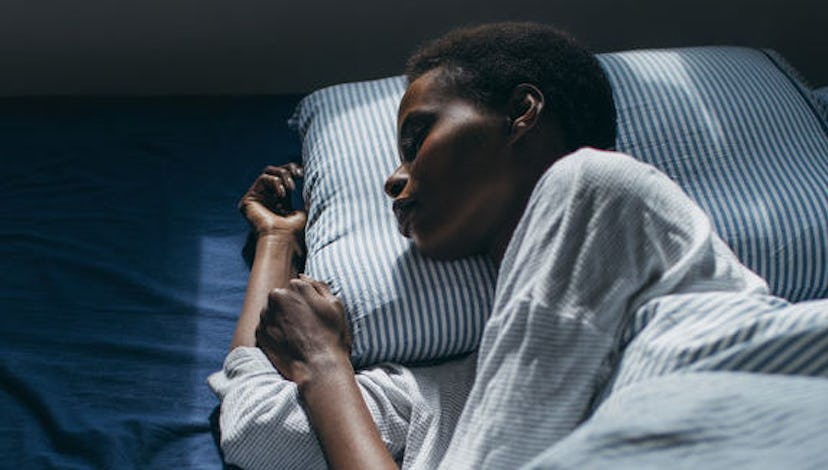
(276, 235)
(279, 242)
(324, 371)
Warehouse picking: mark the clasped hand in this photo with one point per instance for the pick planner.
(266, 205)
(302, 329)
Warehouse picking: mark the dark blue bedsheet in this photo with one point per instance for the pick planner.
(121, 272)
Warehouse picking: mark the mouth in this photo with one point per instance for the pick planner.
(404, 211)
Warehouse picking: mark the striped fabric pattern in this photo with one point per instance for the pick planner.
(811, 95)
(728, 124)
(402, 307)
(821, 95)
(711, 332)
(742, 139)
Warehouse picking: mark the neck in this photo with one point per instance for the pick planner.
(503, 235)
(541, 156)
(497, 249)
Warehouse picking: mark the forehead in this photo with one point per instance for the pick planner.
(427, 93)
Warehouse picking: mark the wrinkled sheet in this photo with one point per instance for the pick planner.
(614, 277)
(121, 272)
(711, 420)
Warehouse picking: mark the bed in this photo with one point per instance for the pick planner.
(121, 247)
(121, 272)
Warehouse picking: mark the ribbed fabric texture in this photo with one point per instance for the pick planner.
(739, 134)
(702, 420)
(263, 425)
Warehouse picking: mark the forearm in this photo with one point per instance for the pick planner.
(341, 419)
(272, 268)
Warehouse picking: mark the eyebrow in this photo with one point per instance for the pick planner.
(418, 117)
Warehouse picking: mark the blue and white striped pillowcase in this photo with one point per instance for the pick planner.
(821, 95)
(401, 306)
(725, 123)
(743, 140)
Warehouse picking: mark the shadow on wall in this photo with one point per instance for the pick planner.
(169, 47)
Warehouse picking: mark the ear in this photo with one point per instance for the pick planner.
(525, 106)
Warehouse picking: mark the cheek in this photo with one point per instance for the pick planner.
(457, 225)
(456, 177)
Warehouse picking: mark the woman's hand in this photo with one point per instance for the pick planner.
(276, 243)
(303, 331)
(266, 205)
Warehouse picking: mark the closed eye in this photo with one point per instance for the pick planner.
(413, 132)
(410, 145)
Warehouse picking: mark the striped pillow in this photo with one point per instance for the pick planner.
(401, 306)
(742, 136)
(822, 100)
(731, 125)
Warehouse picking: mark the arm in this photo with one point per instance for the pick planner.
(272, 267)
(344, 426)
(304, 333)
(334, 399)
(278, 231)
(264, 425)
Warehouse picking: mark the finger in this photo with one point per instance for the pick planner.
(276, 300)
(242, 205)
(321, 287)
(313, 282)
(303, 288)
(275, 184)
(296, 169)
(265, 190)
(287, 177)
(271, 170)
(269, 338)
(283, 172)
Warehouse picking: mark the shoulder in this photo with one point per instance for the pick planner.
(593, 171)
(599, 165)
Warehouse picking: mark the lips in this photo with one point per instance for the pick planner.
(404, 211)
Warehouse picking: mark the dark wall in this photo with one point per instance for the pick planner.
(271, 46)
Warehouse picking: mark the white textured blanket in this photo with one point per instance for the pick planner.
(613, 277)
(611, 260)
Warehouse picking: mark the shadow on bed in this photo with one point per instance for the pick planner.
(121, 272)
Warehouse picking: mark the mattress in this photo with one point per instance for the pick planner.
(122, 274)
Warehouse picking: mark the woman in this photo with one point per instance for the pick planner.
(488, 131)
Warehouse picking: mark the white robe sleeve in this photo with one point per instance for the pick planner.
(263, 425)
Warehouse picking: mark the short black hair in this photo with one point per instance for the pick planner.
(486, 62)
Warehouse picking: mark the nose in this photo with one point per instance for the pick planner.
(395, 183)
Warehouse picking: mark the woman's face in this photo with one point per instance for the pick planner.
(452, 187)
